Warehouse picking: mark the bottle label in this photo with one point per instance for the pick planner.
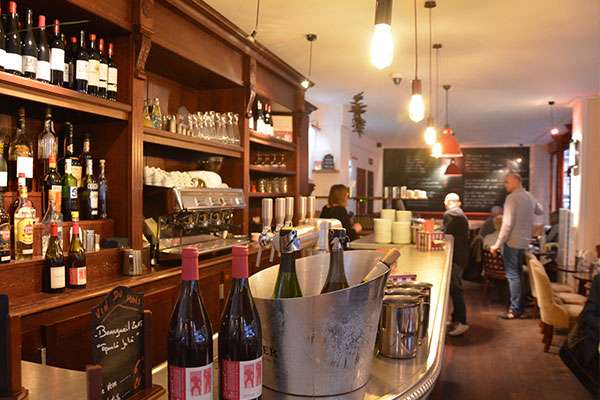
(72, 192)
(25, 232)
(57, 59)
(112, 79)
(3, 179)
(13, 62)
(191, 383)
(55, 193)
(78, 276)
(76, 171)
(5, 241)
(94, 202)
(25, 166)
(57, 277)
(29, 64)
(81, 70)
(93, 72)
(43, 71)
(103, 77)
(242, 380)
(2, 58)
(66, 75)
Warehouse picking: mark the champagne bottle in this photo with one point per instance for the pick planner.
(81, 65)
(89, 194)
(70, 201)
(23, 220)
(57, 56)
(102, 192)
(53, 275)
(190, 345)
(388, 260)
(29, 49)
(240, 341)
(336, 277)
(76, 263)
(287, 284)
(5, 248)
(43, 57)
(93, 67)
(13, 62)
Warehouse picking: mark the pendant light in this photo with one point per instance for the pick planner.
(554, 131)
(306, 82)
(430, 134)
(448, 145)
(416, 107)
(382, 43)
(452, 169)
(252, 37)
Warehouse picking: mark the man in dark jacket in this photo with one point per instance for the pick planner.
(457, 225)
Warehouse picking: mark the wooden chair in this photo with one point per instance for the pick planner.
(529, 257)
(493, 269)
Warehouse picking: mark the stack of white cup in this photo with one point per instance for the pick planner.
(383, 226)
(401, 233)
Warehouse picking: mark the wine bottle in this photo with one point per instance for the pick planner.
(76, 263)
(47, 145)
(3, 169)
(2, 44)
(268, 120)
(103, 70)
(23, 220)
(70, 201)
(20, 152)
(71, 64)
(111, 90)
(29, 49)
(102, 192)
(287, 284)
(240, 341)
(336, 277)
(69, 152)
(190, 345)
(13, 62)
(57, 56)
(93, 67)
(387, 260)
(53, 278)
(260, 118)
(52, 185)
(89, 193)
(81, 65)
(52, 216)
(5, 247)
(43, 57)
(84, 157)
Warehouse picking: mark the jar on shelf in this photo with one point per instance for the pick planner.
(276, 185)
(262, 185)
(283, 184)
(268, 186)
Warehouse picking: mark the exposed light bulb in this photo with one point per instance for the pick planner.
(382, 46)
(416, 108)
(436, 150)
(305, 83)
(554, 131)
(430, 135)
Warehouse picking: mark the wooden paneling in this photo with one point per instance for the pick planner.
(68, 342)
(272, 86)
(161, 303)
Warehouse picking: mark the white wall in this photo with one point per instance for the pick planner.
(539, 178)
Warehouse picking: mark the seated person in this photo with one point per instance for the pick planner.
(488, 226)
(552, 234)
(490, 239)
(336, 208)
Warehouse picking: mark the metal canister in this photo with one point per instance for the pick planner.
(401, 291)
(399, 326)
(425, 288)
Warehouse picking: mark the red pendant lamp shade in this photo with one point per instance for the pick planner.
(449, 144)
(453, 169)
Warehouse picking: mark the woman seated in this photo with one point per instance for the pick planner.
(490, 239)
(336, 208)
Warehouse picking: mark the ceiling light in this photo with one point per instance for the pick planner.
(306, 82)
(382, 42)
(430, 134)
(453, 169)
(416, 107)
(436, 150)
(554, 131)
(449, 145)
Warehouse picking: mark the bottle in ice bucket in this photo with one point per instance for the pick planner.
(287, 284)
(336, 277)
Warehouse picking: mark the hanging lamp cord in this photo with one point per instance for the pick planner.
(437, 83)
(447, 90)
(310, 59)
(257, 15)
(416, 45)
(430, 67)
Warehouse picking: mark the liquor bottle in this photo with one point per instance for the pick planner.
(57, 57)
(71, 64)
(89, 193)
(3, 169)
(268, 123)
(336, 277)
(53, 275)
(2, 44)
(47, 145)
(111, 90)
(13, 62)
(81, 65)
(102, 192)
(76, 264)
(20, 153)
(260, 118)
(29, 49)
(70, 201)
(5, 247)
(287, 284)
(43, 57)
(251, 121)
(84, 157)
(24, 218)
(156, 114)
(190, 345)
(52, 185)
(76, 168)
(103, 70)
(240, 341)
(93, 67)
(52, 216)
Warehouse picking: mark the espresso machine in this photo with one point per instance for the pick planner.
(199, 217)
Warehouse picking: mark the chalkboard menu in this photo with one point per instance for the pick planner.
(481, 186)
(118, 342)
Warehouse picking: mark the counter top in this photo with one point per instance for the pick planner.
(390, 378)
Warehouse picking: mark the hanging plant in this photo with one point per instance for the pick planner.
(357, 108)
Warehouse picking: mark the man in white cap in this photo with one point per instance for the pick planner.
(457, 225)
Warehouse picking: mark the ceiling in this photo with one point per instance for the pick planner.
(504, 59)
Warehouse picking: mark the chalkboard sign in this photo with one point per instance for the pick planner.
(481, 186)
(118, 342)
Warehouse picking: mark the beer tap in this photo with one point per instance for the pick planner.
(289, 211)
(322, 244)
(266, 235)
(302, 210)
(280, 219)
(310, 209)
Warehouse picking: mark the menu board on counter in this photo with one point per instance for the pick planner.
(118, 342)
(481, 186)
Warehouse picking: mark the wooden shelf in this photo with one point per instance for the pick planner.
(263, 195)
(325, 171)
(271, 170)
(166, 138)
(29, 89)
(271, 142)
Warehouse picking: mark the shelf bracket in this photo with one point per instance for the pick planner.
(144, 29)
(251, 82)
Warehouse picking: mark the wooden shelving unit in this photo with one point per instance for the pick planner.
(272, 170)
(263, 195)
(170, 139)
(271, 142)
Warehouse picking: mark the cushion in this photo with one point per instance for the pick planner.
(573, 310)
(561, 288)
(571, 298)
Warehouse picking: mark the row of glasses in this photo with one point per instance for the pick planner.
(275, 160)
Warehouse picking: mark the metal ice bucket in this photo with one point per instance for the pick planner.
(320, 345)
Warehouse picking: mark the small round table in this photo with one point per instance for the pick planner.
(583, 278)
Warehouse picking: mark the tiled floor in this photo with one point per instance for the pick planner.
(499, 359)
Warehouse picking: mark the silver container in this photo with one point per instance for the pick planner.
(425, 289)
(132, 262)
(405, 291)
(400, 326)
(320, 345)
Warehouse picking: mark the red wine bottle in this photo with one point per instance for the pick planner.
(103, 77)
(53, 273)
(111, 90)
(2, 43)
(43, 56)
(81, 65)
(190, 345)
(93, 67)
(13, 62)
(71, 64)
(240, 340)
(29, 48)
(57, 56)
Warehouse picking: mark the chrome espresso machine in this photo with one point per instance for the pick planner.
(205, 218)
